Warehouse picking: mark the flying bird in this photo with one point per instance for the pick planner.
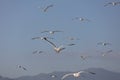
(45, 9)
(36, 51)
(57, 49)
(76, 74)
(51, 32)
(112, 3)
(84, 57)
(19, 66)
(103, 43)
(81, 19)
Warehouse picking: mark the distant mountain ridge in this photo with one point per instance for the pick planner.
(5, 78)
(101, 74)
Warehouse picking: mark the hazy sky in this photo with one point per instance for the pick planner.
(21, 20)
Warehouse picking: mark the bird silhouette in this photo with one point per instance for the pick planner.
(51, 32)
(19, 66)
(112, 3)
(45, 9)
(103, 43)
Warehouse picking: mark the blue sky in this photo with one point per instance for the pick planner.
(21, 20)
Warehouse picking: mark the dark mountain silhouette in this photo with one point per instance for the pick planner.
(5, 78)
(100, 74)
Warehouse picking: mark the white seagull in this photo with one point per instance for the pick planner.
(103, 43)
(81, 19)
(51, 32)
(112, 3)
(76, 74)
(57, 49)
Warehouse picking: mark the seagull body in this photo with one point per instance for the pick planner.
(76, 74)
(112, 3)
(83, 19)
(51, 32)
(53, 76)
(57, 49)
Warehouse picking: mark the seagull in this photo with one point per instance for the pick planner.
(76, 74)
(57, 49)
(42, 38)
(81, 19)
(84, 57)
(45, 9)
(51, 32)
(103, 43)
(112, 3)
(19, 66)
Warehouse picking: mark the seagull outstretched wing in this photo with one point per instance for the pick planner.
(36, 38)
(107, 4)
(92, 73)
(71, 44)
(44, 31)
(66, 75)
(48, 7)
(50, 42)
(86, 72)
(24, 68)
(58, 31)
